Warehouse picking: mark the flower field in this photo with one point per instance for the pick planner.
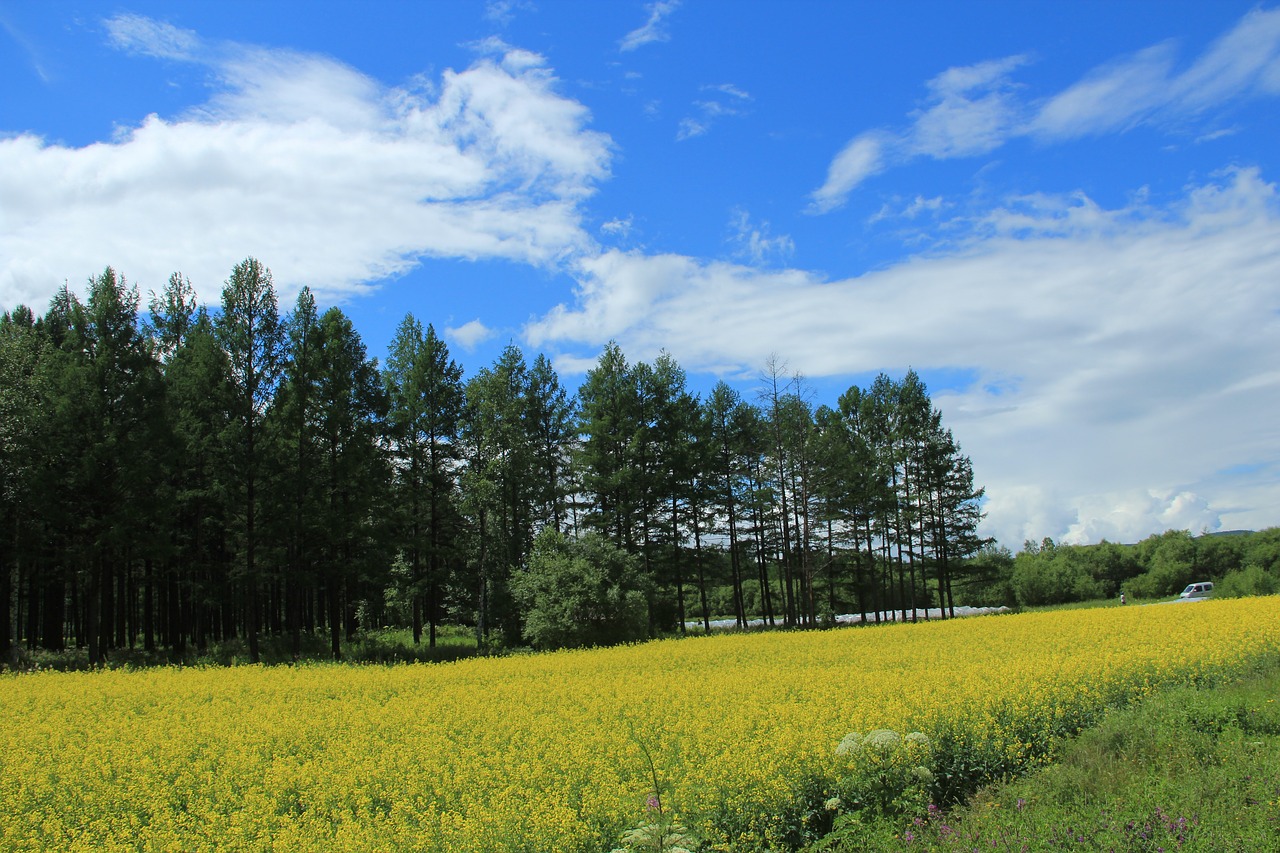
(548, 752)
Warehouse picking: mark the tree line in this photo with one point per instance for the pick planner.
(1047, 572)
(184, 476)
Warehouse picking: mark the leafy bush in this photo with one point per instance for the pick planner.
(580, 592)
(1263, 549)
(1251, 580)
(1053, 574)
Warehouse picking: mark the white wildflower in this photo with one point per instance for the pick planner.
(883, 740)
(849, 744)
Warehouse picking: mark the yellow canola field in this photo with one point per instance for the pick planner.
(546, 753)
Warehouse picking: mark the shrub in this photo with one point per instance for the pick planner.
(580, 592)
(1251, 580)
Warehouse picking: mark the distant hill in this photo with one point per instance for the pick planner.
(1228, 533)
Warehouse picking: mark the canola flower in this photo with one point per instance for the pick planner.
(548, 752)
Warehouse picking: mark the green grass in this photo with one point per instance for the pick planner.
(1092, 603)
(387, 645)
(1189, 769)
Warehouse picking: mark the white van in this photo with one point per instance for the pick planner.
(1203, 589)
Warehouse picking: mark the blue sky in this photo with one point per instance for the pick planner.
(1063, 215)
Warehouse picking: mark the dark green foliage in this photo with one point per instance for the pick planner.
(251, 335)
(351, 475)
(425, 392)
(1054, 574)
(1251, 580)
(1171, 564)
(196, 478)
(1262, 549)
(580, 592)
(610, 457)
(987, 578)
(1162, 565)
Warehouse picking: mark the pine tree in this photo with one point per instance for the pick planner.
(425, 391)
(251, 334)
(351, 407)
(296, 413)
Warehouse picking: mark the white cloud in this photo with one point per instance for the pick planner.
(1109, 99)
(34, 54)
(690, 128)
(619, 227)
(1144, 89)
(138, 34)
(1111, 350)
(723, 100)
(1244, 61)
(470, 335)
(1132, 515)
(912, 210)
(653, 30)
(754, 243)
(503, 12)
(975, 109)
(335, 179)
(861, 158)
(971, 110)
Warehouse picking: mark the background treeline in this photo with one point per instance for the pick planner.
(1238, 562)
(182, 476)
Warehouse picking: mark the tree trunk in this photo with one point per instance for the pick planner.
(675, 544)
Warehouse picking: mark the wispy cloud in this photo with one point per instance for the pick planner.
(1144, 88)
(1103, 343)
(1112, 98)
(619, 228)
(969, 110)
(972, 110)
(717, 102)
(503, 12)
(29, 47)
(863, 157)
(654, 29)
(914, 209)
(340, 180)
(754, 243)
(148, 37)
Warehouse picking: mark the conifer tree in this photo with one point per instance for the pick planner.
(251, 334)
(425, 391)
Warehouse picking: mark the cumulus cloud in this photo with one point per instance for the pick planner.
(1109, 347)
(972, 110)
(1132, 515)
(470, 335)
(338, 180)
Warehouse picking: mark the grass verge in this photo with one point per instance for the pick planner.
(1189, 769)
